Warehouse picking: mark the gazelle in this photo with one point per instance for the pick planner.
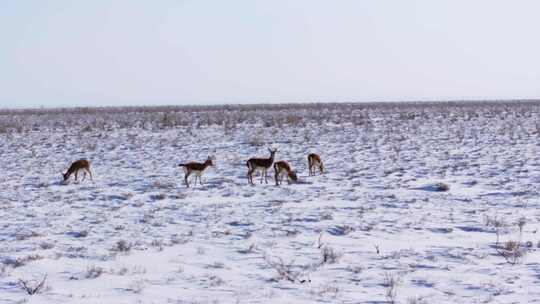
(75, 167)
(282, 167)
(197, 168)
(314, 160)
(262, 164)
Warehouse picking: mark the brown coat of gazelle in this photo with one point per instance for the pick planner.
(262, 164)
(197, 168)
(314, 161)
(281, 168)
(75, 167)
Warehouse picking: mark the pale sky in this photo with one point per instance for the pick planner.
(134, 52)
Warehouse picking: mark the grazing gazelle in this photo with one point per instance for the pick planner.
(75, 167)
(314, 160)
(282, 167)
(262, 164)
(197, 168)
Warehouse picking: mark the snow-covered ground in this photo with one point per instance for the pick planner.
(372, 229)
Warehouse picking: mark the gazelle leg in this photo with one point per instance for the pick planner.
(76, 173)
(90, 172)
(186, 179)
(84, 176)
(250, 175)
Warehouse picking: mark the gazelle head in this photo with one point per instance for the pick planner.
(272, 152)
(65, 176)
(293, 176)
(208, 161)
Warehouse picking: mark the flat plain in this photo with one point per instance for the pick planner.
(420, 203)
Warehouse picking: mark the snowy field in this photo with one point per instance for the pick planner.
(419, 204)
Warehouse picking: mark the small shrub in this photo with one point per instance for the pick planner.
(32, 287)
(328, 290)
(93, 272)
(252, 249)
(87, 128)
(391, 282)
(216, 281)
(216, 265)
(495, 222)
(329, 255)
(3, 270)
(512, 251)
(21, 261)
(158, 197)
(415, 300)
(122, 246)
(46, 245)
(157, 243)
(286, 271)
(137, 286)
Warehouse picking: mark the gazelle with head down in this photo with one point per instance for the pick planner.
(196, 168)
(262, 164)
(81, 164)
(282, 168)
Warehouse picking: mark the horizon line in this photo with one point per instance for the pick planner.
(277, 103)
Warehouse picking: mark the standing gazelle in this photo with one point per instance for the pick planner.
(262, 164)
(282, 167)
(197, 168)
(314, 160)
(75, 167)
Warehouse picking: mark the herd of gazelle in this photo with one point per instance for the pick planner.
(281, 168)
